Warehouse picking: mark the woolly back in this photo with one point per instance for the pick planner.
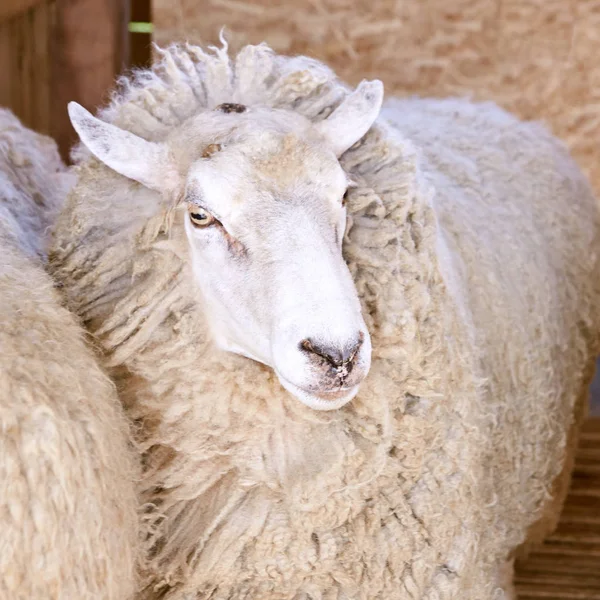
(68, 504)
(30, 163)
(247, 493)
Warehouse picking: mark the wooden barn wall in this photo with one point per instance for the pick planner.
(25, 64)
(54, 51)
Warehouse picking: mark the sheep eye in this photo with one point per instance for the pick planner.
(200, 217)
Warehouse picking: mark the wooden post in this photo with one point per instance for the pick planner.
(139, 43)
(55, 51)
(12, 8)
(25, 32)
(89, 48)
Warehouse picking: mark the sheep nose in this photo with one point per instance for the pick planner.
(336, 356)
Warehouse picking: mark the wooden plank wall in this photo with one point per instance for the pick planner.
(89, 48)
(25, 64)
(54, 51)
(11, 8)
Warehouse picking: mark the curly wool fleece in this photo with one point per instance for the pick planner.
(68, 522)
(473, 243)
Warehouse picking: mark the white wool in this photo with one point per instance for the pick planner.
(68, 522)
(473, 243)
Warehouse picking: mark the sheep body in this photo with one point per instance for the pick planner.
(483, 348)
(67, 504)
(550, 241)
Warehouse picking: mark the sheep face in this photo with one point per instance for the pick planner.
(262, 202)
(265, 219)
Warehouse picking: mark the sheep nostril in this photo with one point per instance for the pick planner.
(336, 356)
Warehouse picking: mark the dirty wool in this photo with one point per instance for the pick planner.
(68, 518)
(473, 241)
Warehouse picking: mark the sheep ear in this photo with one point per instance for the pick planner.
(123, 151)
(353, 117)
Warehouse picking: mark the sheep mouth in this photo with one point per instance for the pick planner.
(322, 400)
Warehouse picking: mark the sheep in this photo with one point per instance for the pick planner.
(68, 509)
(201, 246)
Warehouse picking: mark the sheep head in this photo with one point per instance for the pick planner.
(261, 194)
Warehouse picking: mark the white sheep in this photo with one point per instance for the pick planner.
(68, 510)
(207, 230)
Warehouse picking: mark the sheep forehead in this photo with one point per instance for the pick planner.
(291, 160)
(278, 146)
(281, 161)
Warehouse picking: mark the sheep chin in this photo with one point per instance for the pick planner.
(324, 401)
